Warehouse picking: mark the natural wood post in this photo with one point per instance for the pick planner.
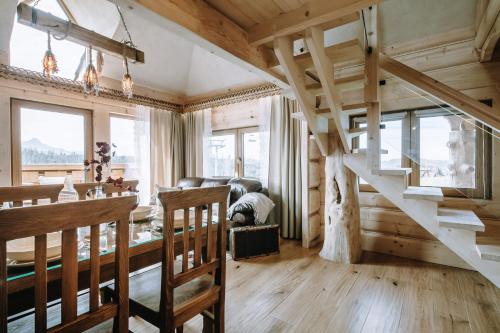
(342, 241)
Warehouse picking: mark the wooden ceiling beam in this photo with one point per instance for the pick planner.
(475, 109)
(202, 24)
(44, 21)
(488, 32)
(314, 13)
(307, 102)
(348, 51)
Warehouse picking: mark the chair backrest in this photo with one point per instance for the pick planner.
(108, 189)
(215, 246)
(18, 194)
(38, 221)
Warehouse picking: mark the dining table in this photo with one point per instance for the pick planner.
(145, 250)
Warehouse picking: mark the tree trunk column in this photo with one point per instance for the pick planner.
(342, 240)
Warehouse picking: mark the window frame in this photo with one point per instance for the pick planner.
(238, 146)
(411, 146)
(16, 154)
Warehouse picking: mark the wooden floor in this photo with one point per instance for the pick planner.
(297, 291)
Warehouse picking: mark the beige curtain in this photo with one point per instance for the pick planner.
(167, 151)
(285, 174)
(195, 129)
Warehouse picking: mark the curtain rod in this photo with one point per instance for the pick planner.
(260, 91)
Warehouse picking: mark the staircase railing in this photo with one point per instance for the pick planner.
(444, 147)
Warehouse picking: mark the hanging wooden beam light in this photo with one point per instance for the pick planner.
(44, 21)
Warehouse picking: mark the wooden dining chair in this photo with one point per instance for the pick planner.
(18, 194)
(38, 221)
(108, 189)
(186, 289)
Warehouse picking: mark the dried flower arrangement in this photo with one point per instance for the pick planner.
(104, 158)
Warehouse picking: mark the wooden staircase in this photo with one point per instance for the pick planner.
(454, 228)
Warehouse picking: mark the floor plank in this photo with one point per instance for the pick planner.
(297, 291)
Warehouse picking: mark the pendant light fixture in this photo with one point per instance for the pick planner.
(49, 60)
(90, 79)
(127, 83)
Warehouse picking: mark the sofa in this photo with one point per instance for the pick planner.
(246, 239)
(239, 187)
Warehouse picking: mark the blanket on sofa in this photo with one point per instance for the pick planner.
(254, 202)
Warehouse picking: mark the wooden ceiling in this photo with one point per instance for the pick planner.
(247, 13)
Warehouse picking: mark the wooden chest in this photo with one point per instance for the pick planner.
(254, 241)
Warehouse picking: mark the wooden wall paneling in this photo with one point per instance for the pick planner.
(311, 214)
(488, 31)
(314, 13)
(244, 114)
(426, 250)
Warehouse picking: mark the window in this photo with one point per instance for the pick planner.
(235, 153)
(28, 46)
(444, 148)
(52, 141)
(122, 137)
(222, 154)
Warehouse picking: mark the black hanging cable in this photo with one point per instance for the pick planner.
(369, 48)
(129, 42)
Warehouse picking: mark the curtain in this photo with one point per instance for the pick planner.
(167, 151)
(285, 174)
(197, 128)
(141, 166)
(265, 106)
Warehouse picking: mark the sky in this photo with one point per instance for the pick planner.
(60, 130)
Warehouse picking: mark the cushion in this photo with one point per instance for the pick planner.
(242, 186)
(190, 182)
(216, 181)
(144, 288)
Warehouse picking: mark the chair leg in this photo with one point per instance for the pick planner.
(208, 325)
(219, 318)
(179, 329)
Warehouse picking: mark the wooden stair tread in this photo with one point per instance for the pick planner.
(424, 193)
(459, 219)
(489, 252)
(392, 172)
(363, 151)
(358, 130)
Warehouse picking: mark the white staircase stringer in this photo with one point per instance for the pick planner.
(424, 212)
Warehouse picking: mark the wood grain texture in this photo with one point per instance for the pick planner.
(108, 189)
(312, 14)
(443, 92)
(41, 283)
(38, 221)
(169, 316)
(342, 241)
(200, 19)
(297, 291)
(30, 192)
